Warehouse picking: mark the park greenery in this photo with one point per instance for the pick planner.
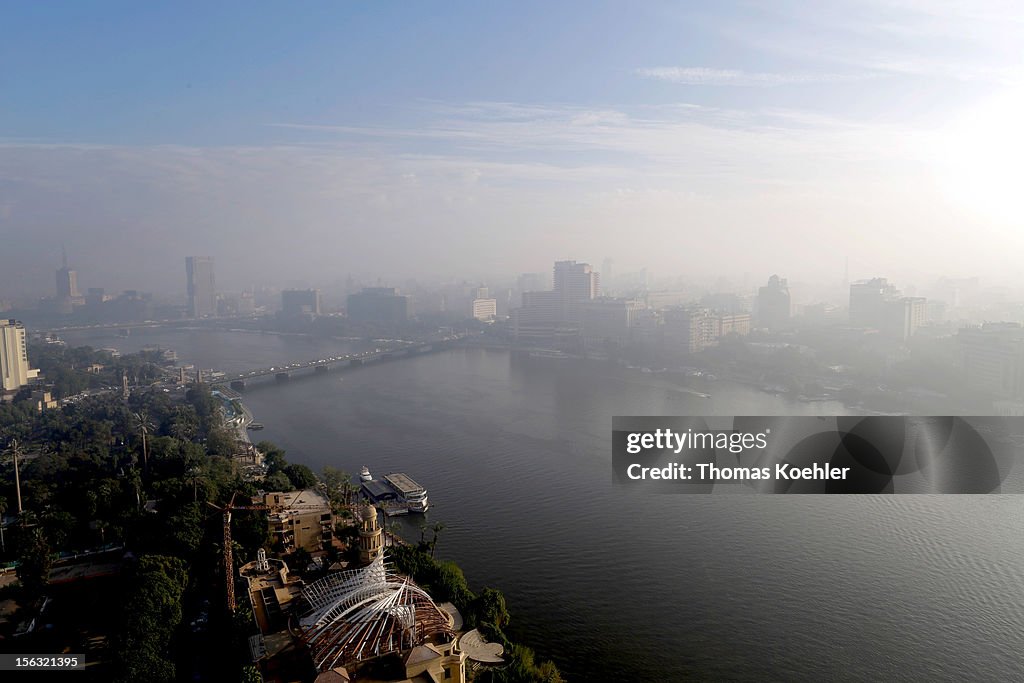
(138, 475)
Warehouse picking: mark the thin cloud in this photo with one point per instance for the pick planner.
(698, 75)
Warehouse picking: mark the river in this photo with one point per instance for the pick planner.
(616, 586)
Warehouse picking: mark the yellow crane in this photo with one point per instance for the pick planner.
(229, 560)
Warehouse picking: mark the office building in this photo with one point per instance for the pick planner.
(300, 519)
(876, 304)
(731, 323)
(378, 306)
(484, 309)
(14, 369)
(774, 304)
(608, 322)
(690, 329)
(300, 302)
(560, 310)
(992, 359)
(868, 299)
(575, 284)
(67, 283)
(202, 292)
(537, 318)
(686, 330)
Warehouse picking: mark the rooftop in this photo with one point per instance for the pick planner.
(403, 482)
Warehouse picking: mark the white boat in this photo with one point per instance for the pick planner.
(409, 492)
(364, 474)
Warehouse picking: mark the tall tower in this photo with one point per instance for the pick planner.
(67, 279)
(202, 294)
(371, 536)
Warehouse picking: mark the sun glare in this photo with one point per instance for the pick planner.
(979, 157)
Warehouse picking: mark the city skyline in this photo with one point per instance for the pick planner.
(422, 141)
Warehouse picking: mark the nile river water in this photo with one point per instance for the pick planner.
(617, 586)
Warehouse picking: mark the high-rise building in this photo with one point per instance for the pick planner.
(731, 323)
(609, 322)
(868, 300)
(379, 306)
(686, 329)
(14, 370)
(67, 281)
(575, 284)
(300, 302)
(202, 293)
(537, 318)
(774, 305)
(879, 305)
(606, 274)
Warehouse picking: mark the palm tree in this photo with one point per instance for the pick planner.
(144, 425)
(394, 528)
(438, 528)
(15, 452)
(194, 475)
(3, 510)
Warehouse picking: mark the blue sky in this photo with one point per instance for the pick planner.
(495, 138)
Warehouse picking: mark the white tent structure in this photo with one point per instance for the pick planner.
(360, 614)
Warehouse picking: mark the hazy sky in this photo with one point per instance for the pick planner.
(304, 141)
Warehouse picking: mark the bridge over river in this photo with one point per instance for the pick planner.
(283, 373)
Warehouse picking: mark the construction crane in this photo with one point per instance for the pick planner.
(229, 560)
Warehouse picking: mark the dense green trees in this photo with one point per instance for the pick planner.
(301, 476)
(152, 611)
(34, 562)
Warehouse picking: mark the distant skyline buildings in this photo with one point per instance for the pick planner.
(301, 302)
(378, 306)
(774, 304)
(200, 286)
(877, 304)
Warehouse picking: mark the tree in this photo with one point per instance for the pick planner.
(337, 483)
(490, 607)
(278, 481)
(301, 476)
(3, 511)
(273, 457)
(300, 559)
(220, 441)
(34, 562)
(152, 611)
(144, 426)
(451, 584)
(438, 528)
(184, 423)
